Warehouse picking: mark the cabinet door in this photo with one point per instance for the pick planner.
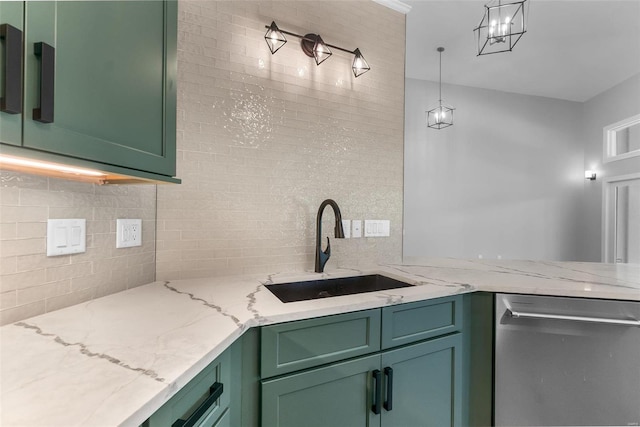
(426, 387)
(114, 81)
(337, 395)
(11, 13)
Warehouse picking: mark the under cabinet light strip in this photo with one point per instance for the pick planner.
(16, 161)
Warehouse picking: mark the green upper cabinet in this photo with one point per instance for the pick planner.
(11, 35)
(100, 84)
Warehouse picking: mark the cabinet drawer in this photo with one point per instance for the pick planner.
(303, 344)
(192, 396)
(407, 323)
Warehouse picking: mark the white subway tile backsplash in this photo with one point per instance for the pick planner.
(17, 313)
(32, 283)
(264, 139)
(37, 293)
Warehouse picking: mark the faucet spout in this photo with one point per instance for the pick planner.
(323, 256)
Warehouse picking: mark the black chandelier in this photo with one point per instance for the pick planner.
(313, 46)
(441, 116)
(501, 26)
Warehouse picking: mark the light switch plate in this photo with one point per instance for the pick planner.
(66, 236)
(376, 228)
(346, 227)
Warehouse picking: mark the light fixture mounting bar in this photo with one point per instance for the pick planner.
(312, 40)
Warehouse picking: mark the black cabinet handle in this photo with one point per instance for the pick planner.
(47, 55)
(388, 403)
(215, 391)
(11, 101)
(377, 377)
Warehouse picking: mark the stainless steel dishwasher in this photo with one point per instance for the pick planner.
(566, 361)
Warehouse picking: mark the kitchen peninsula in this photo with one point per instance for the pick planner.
(116, 360)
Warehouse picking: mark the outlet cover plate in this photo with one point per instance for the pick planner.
(356, 228)
(128, 233)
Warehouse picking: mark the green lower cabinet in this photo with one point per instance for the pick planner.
(421, 388)
(336, 395)
(223, 421)
(211, 399)
(426, 388)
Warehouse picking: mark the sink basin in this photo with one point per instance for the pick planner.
(325, 288)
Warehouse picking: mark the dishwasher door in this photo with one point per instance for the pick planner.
(566, 361)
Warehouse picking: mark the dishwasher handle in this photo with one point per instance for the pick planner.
(602, 320)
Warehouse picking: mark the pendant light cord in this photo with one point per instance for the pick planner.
(440, 77)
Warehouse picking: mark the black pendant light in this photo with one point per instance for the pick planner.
(501, 26)
(441, 116)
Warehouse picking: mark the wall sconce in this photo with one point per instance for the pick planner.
(314, 47)
(590, 175)
(501, 27)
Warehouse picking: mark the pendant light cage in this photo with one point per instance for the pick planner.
(274, 37)
(441, 116)
(501, 26)
(320, 51)
(360, 65)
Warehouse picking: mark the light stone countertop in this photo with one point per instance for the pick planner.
(116, 360)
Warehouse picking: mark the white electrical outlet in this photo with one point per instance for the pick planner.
(128, 233)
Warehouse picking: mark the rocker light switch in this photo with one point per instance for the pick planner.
(66, 236)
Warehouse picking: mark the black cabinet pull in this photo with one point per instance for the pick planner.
(388, 403)
(377, 377)
(11, 101)
(215, 391)
(47, 55)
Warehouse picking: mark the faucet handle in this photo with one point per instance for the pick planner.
(323, 257)
(327, 251)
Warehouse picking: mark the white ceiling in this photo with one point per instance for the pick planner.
(573, 49)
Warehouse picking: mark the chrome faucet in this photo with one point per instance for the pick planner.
(323, 256)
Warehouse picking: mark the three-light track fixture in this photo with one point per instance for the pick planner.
(313, 46)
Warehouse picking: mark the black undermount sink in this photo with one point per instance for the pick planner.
(325, 288)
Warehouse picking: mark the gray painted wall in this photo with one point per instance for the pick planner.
(618, 103)
(506, 180)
